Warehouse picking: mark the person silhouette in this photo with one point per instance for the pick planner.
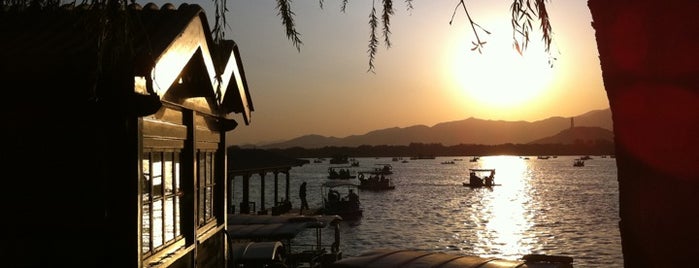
(302, 196)
(352, 196)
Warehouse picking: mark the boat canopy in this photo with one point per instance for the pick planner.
(334, 184)
(269, 231)
(420, 258)
(336, 167)
(482, 169)
(267, 227)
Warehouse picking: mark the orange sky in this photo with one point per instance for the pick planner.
(428, 76)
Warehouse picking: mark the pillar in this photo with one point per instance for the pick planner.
(276, 187)
(245, 204)
(262, 191)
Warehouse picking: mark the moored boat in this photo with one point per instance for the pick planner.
(265, 240)
(423, 258)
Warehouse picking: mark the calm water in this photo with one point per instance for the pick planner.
(543, 206)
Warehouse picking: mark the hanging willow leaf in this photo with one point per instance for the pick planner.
(373, 40)
(386, 21)
(284, 11)
(343, 7)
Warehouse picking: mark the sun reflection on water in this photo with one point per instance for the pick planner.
(504, 208)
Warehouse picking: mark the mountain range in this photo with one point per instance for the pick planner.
(593, 125)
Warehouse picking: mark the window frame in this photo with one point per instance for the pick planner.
(151, 194)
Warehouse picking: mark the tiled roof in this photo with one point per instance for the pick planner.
(57, 48)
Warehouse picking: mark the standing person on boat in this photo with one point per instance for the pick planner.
(474, 180)
(489, 180)
(353, 197)
(302, 195)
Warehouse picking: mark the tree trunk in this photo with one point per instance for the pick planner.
(649, 55)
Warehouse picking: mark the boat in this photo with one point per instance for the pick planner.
(341, 198)
(375, 181)
(268, 239)
(339, 159)
(423, 258)
(448, 162)
(385, 169)
(474, 159)
(578, 162)
(481, 177)
(340, 173)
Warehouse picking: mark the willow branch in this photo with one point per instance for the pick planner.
(373, 40)
(522, 17)
(386, 21)
(478, 44)
(284, 11)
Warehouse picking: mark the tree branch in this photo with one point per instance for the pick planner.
(284, 11)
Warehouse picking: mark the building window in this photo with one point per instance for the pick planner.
(205, 180)
(161, 199)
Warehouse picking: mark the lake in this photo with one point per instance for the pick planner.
(542, 206)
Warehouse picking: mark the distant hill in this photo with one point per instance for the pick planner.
(585, 135)
(467, 131)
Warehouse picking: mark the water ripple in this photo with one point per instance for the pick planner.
(542, 207)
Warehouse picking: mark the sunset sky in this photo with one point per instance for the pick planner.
(429, 75)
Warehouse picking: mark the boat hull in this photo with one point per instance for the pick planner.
(480, 185)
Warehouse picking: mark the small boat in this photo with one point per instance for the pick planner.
(578, 162)
(376, 181)
(385, 169)
(485, 179)
(340, 173)
(474, 159)
(448, 163)
(257, 239)
(341, 198)
(339, 159)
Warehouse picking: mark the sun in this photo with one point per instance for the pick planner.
(499, 76)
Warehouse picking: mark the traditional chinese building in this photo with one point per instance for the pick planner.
(114, 127)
